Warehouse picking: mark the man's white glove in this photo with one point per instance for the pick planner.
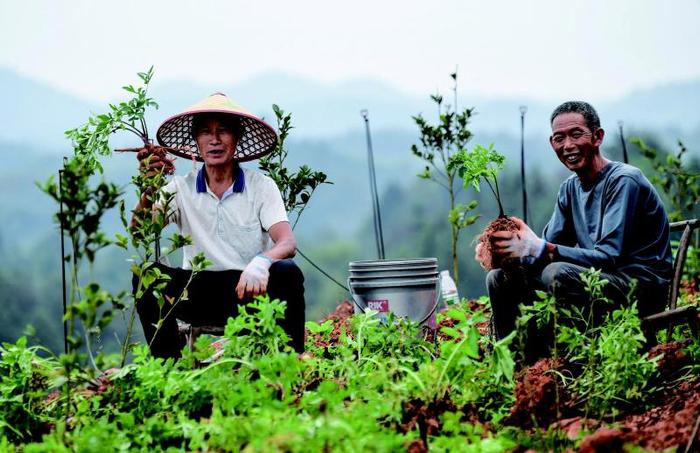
(520, 244)
(254, 278)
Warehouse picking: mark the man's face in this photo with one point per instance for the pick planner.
(575, 144)
(216, 142)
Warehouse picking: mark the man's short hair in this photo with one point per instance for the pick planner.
(232, 121)
(590, 116)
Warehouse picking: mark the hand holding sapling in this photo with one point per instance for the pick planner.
(474, 166)
(517, 244)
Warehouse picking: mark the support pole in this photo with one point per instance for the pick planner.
(523, 111)
(63, 258)
(378, 235)
(620, 123)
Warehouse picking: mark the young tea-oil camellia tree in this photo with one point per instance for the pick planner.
(483, 164)
(82, 207)
(296, 188)
(439, 144)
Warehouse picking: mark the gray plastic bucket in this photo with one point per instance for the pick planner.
(403, 287)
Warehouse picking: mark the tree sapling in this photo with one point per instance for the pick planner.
(474, 166)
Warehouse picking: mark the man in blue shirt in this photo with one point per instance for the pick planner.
(607, 216)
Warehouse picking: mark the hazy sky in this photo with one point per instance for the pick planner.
(553, 49)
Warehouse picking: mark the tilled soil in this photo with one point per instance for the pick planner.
(542, 402)
(539, 396)
(341, 321)
(668, 425)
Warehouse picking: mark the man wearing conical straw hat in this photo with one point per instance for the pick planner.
(231, 214)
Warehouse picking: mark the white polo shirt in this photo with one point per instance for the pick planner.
(229, 231)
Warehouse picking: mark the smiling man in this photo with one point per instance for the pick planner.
(607, 216)
(235, 216)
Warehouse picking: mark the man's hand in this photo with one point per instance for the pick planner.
(254, 278)
(479, 255)
(153, 160)
(519, 244)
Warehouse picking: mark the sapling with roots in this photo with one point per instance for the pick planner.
(82, 208)
(483, 164)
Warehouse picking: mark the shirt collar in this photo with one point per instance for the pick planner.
(238, 181)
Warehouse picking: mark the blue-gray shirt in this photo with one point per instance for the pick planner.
(617, 224)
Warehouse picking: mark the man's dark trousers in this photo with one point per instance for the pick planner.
(507, 289)
(212, 300)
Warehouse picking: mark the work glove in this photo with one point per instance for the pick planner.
(254, 278)
(519, 244)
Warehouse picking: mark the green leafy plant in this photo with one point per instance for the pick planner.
(82, 210)
(378, 386)
(674, 178)
(82, 205)
(80, 220)
(483, 164)
(24, 381)
(614, 374)
(480, 164)
(680, 183)
(296, 187)
(439, 143)
(92, 139)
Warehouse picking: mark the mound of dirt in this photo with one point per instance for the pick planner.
(426, 416)
(669, 425)
(538, 395)
(609, 440)
(340, 318)
(673, 359)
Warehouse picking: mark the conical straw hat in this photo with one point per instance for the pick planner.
(258, 139)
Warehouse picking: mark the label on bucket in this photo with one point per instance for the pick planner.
(380, 305)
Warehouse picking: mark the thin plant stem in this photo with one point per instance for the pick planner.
(160, 324)
(498, 198)
(132, 129)
(127, 338)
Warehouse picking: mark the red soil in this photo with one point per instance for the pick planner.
(159, 154)
(538, 396)
(673, 359)
(540, 400)
(425, 416)
(691, 290)
(485, 255)
(668, 425)
(340, 318)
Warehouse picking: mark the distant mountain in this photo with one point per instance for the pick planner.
(671, 107)
(35, 114)
(328, 135)
(319, 110)
(327, 111)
